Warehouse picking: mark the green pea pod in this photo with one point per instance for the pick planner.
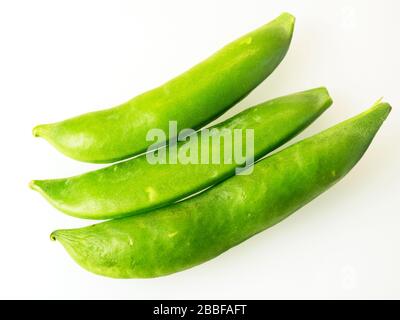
(192, 99)
(136, 185)
(188, 233)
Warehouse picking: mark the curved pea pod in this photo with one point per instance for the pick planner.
(138, 185)
(192, 99)
(188, 233)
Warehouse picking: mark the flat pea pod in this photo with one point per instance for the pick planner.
(136, 185)
(192, 99)
(188, 233)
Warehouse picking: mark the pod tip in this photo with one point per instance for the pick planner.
(53, 236)
(286, 14)
(380, 109)
(32, 184)
(36, 131)
(388, 108)
(39, 130)
(35, 185)
(380, 104)
(322, 96)
(327, 96)
(289, 20)
(323, 90)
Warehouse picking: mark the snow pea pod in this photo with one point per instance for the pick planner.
(192, 99)
(136, 185)
(188, 233)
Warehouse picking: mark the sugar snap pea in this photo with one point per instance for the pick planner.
(135, 185)
(192, 99)
(188, 233)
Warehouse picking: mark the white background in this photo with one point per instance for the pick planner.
(63, 58)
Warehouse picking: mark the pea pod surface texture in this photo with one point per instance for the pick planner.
(188, 233)
(192, 99)
(136, 185)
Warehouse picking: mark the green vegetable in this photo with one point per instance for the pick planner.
(192, 99)
(135, 185)
(188, 233)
